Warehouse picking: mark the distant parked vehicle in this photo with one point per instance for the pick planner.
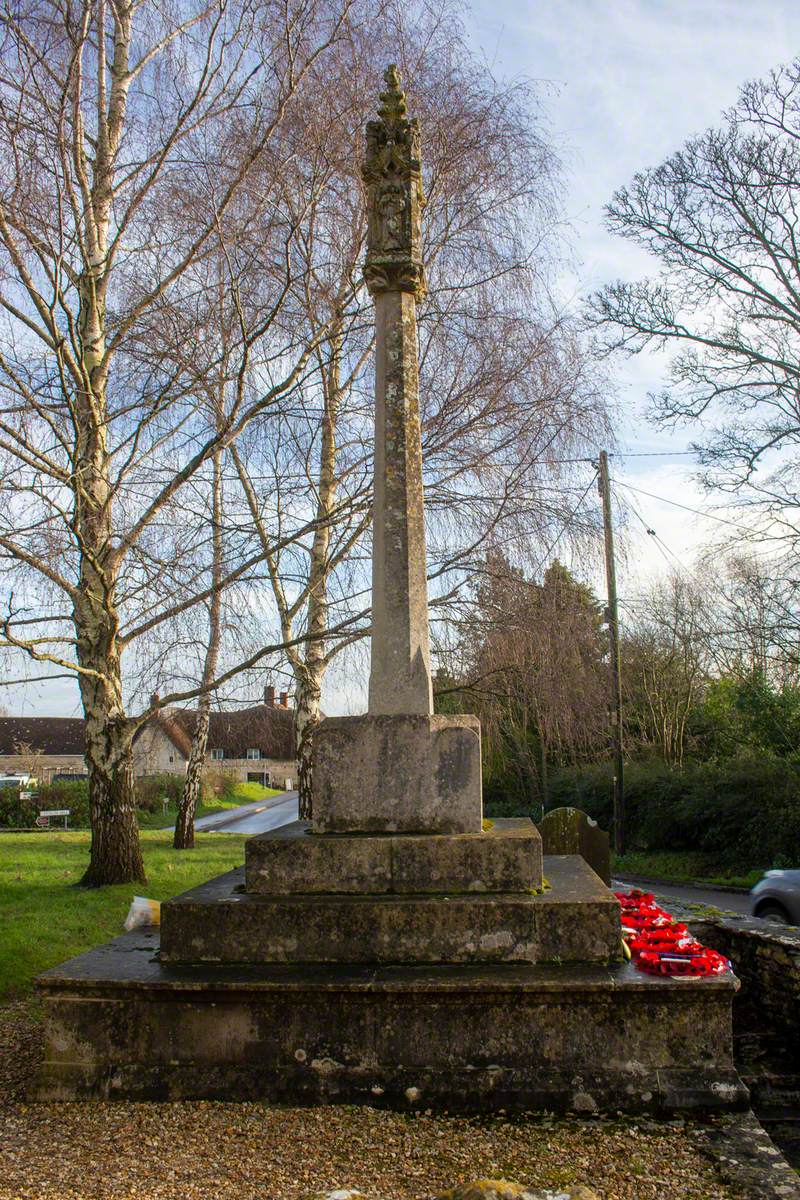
(15, 781)
(776, 897)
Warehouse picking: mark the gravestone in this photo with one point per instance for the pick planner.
(391, 951)
(571, 831)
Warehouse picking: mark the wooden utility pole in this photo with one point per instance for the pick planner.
(612, 616)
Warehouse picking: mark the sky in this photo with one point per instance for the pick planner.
(623, 85)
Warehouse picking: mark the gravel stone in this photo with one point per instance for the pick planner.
(216, 1151)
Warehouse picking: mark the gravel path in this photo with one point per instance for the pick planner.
(214, 1151)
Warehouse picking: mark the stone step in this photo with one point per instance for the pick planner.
(121, 1024)
(505, 857)
(575, 920)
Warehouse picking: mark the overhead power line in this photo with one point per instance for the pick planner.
(686, 507)
(566, 523)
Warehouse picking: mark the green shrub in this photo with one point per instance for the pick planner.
(151, 790)
(16, 813)
(217, 784)
(744, 810)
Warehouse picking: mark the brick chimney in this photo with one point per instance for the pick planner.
(269, 696)
(284, 699)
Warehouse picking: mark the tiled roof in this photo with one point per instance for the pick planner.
(269, 729)
(43, 735)
(262, 727)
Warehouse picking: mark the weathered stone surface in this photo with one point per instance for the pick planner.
(575, 920)
(767, 961)
(400, 676)
(745, 1156)
(397, 774)
(119, 1023)
(506, 857)
(392, 171)
(571, 831)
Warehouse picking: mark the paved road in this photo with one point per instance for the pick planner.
(736, 902)
(253, 818)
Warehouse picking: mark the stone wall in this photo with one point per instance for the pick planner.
(767, 960)
(51, 764)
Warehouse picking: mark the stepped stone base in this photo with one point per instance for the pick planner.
(405, 774)
(120, 1024)
(506, 857)
(575, 920)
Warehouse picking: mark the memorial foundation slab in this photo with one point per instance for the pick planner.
(120, 1024)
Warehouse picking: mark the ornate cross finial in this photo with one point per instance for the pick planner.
(395, 199)
(393, 101)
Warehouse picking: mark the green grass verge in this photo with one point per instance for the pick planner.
(45, 918)
(686, 866)
(248, 793)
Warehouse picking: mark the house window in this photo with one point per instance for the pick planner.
(251, 753)
(217, 754)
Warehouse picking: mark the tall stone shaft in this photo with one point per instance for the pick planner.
(400, 678)
(399, 768)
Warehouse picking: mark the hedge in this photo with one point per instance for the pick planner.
(21, 814)
(745, 810)
(74, 795)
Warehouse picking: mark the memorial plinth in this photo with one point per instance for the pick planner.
(397, 949)
(398, 774)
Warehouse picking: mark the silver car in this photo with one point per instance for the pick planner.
(776, 897)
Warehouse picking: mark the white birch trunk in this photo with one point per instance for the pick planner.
(310, 673)
(184, 823)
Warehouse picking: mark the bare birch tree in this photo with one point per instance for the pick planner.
(720, 217)
(184, 822)
(129, 134)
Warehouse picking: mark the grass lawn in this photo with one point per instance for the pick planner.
(243, 793)
(44, 918)
(683, 866)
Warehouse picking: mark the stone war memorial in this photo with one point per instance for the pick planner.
(397, 949)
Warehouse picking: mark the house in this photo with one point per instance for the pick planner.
(42, 747)
(253, 744)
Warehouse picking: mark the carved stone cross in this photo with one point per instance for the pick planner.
(400, 679)
(398, 768)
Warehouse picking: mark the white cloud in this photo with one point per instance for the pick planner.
(631, 81)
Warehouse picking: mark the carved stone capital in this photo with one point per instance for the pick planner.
(395, 197)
